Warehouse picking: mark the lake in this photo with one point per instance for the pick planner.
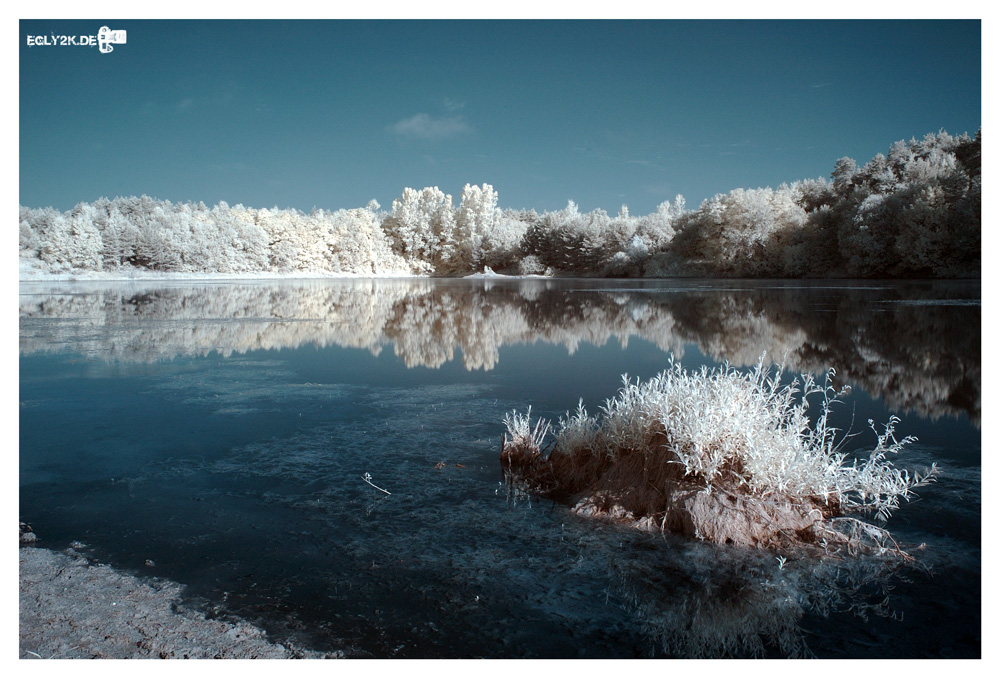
(321, 458)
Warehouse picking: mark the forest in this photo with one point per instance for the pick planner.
(913, 213)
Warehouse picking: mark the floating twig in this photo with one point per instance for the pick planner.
(367, 477)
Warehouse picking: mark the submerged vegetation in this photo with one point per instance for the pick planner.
(915, 212)
(718, 455)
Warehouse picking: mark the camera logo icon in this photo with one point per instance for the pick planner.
(107, 37)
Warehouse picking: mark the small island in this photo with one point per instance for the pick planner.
(718, 455)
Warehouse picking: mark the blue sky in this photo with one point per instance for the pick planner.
(334, 113)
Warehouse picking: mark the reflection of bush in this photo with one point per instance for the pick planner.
(699, 601)
(714, 606)
(904, 343)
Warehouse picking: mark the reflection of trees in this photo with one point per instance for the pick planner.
(129, 322)
(919, 357)
(915, 345)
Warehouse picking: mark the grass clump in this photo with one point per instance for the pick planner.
(719, 455)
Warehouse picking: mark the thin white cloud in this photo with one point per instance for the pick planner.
(600, 155)
(645, 163)
(424, 126)
(746, 143)
(229, 167)
(453, 106)
(663, 190)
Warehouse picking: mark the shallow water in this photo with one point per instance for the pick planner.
(224, 431)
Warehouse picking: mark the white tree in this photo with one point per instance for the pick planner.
(477, 213)
(360, 247)
(70, 241)
(27, 238)
(741, 232)
(500, 247)
(421, 228)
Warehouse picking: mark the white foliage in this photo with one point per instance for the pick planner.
(915, 212)
(500, 246)
(477, 213)
(521, 433)
(69, 242)
(739, 232)
(718, 422)
(421, 228)
(143, 233)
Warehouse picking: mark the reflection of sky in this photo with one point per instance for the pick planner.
(244, 474)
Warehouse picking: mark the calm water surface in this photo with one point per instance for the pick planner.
(224, 432)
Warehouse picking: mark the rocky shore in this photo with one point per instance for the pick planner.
(72, 607)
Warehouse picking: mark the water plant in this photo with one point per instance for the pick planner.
(721, 455)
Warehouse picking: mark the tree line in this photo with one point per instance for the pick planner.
(915, 212)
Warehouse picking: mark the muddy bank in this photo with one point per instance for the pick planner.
(73, 608)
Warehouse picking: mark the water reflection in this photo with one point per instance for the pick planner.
(915, 345)
(703, 602)
(242, 478)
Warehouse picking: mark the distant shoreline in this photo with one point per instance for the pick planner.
(140, 276)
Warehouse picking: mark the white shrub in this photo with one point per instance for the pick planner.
(743, 431)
